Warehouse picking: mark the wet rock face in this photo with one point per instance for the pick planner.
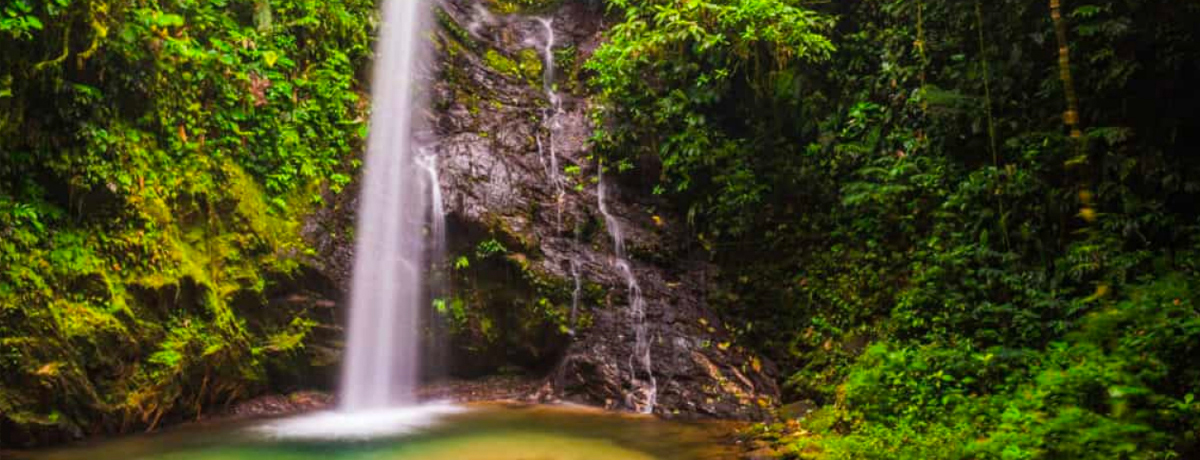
(499, 136)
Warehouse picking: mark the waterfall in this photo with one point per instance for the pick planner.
(639, 361)
(575, 294)
(435, 356)
(480, 18)
(550, 117)
(382, 357)
(437, 218)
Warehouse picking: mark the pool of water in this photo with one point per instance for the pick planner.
(432, 432)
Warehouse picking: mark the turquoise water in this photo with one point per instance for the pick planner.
(479, 432)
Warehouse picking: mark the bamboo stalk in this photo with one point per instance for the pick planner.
(1071, 116)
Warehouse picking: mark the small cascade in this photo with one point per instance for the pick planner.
(481, 18)
(641, 367)
(548, 150)
(437, 209)
(575, 295)
(434, 353)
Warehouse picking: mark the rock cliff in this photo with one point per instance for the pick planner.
(515, 169)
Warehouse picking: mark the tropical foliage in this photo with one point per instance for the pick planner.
(958, 244)
(963, 229)
(156, 162)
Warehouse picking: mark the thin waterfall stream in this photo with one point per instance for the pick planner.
(575, 295)
(643, 399)
(435, 353)
(550, 118)
(437, 209)
(641, 368)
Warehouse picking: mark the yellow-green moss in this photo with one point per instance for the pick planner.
(530, 62)
(522, 6)
(527, 66)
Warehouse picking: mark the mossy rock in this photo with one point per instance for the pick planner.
(526, 66)
(454, 30)
(522, 6)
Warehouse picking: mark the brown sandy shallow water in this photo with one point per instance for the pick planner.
(438, 431)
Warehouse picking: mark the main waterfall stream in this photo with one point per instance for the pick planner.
(400, 195)
(381, 361)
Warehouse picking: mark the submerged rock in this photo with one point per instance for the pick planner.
(272, 405)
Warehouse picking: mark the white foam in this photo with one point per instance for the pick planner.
(359, 425)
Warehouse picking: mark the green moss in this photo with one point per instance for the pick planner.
(527, 66)
(460, 36)
(501, 63)
(507, 303)
(566, 61)
(138, 245)
(522, 6)
(530, 62)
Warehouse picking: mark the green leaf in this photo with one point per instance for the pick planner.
(169, 20)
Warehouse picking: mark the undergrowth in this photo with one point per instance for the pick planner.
(157, 160)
